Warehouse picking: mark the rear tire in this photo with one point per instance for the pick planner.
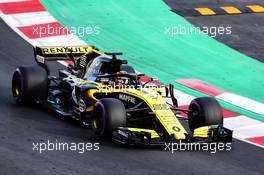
(108, 114)
(30, 83)
(206, 111)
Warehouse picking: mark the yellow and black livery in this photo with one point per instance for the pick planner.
(107, 94)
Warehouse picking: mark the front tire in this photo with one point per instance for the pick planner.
(205, 111)
(29, 83)
(108, 114)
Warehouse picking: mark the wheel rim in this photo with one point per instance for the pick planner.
(98, 122)
(17, 91)
(94, 124)
(17, 88)
(193, 118)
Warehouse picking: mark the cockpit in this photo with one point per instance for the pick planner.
(99, 66)
(110, 71)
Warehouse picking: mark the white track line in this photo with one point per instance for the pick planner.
(61, 40)
(27, 19)
(13, 27)
(250, 131)
(242, 102)
(240, 121)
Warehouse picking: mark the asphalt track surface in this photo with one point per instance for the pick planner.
(20, 126)
(210, 3)
(247, 29)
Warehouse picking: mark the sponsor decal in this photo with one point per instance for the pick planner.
(122, 133)
(62, 50)
(152, 93)
(127, 98)
(74, 96)
(176, 128)
(82, 105)
(82, 61)
(160, 107)
(40, 59)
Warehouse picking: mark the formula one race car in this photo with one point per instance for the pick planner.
(104, 92)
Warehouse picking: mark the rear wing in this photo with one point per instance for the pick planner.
(44, 54)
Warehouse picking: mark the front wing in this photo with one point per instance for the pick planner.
(148, 137)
